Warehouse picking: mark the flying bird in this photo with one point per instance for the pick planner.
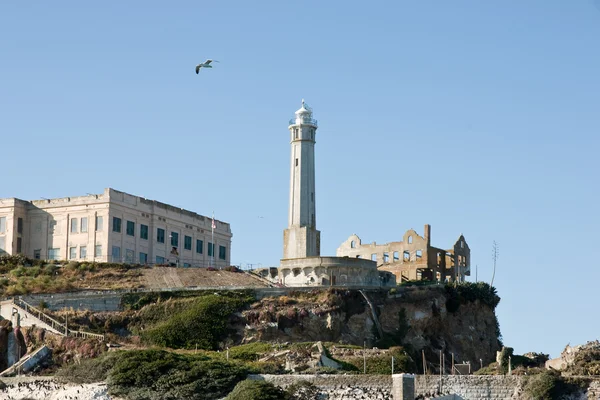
(205, 64)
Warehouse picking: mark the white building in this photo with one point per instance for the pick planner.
(112, 227)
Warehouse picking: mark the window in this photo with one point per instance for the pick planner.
(73, 225)
(295, 133)
(53, 254)
(116, 224)
(222, 252)
(462, 244)
(20, 225)
(386, 257)
(353, 244)
(296, 162)
(54, 227)
(2, 244)
(116, 254)
(84, 224)
(143, 258)
(406, 255)
(410, 240)
(144, 232)
(37, 254)
(312, 134)
(312, 196)
(396, 256)
(187, 265)
(160, 260)
(130, 228)
(99, 224)
(373, 257)
(187, 242)
(160, 235)
(2, 224)
(210, 249)
(72, 253)
(98, 251)
(199, 246)
(129, 255)
(419, 253)
(19, 245)
(83, 252)
(174, 239)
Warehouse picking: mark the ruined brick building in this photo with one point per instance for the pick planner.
(414, 258)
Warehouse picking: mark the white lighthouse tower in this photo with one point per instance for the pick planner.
(301, 238)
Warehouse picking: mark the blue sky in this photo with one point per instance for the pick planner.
(477, 117)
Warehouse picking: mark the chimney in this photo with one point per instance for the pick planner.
(427, 231)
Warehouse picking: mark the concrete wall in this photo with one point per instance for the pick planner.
(330, 271)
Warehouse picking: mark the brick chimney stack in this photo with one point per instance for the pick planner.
(427, 234)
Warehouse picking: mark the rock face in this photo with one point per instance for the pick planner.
(12, 344)
(416, 318)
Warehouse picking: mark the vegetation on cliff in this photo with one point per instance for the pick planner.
(21, 275)
(261, 390)
(203, 322)
(158, 374)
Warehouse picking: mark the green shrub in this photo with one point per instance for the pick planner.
(203, 324)
(467, 292)
(155, 374)
(550, 385)
(382, 364)
(249, 352)
(256, 390)
(89, 370)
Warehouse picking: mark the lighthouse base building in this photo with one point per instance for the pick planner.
(302, 264)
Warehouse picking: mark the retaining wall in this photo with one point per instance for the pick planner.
(470, 387)
(110, 300)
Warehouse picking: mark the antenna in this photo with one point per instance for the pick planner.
(495, 255)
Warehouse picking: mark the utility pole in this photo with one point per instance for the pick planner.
(424, 363)
(364, 357)
(495, 255)
(440, 372)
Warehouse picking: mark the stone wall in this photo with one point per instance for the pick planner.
(469, 387)
(339, 387)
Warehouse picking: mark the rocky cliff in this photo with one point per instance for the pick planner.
(421, 319)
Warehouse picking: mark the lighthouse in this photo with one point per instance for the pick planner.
(301, 238)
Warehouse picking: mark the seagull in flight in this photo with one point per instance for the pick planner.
(205, 64)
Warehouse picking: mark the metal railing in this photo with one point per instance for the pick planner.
(307, 121)
(56, 325)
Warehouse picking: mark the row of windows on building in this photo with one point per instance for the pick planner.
(116, 256)
(396, 256)
(3, 225)
(160, 236)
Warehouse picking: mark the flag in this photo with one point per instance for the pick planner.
(213, 222)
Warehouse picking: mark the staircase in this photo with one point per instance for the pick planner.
(30, 315)
(27, 362)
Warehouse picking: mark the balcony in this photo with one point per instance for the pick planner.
(304, 121)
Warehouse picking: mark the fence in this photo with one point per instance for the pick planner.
(58, 326)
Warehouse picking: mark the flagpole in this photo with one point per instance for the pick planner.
(212, 239)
